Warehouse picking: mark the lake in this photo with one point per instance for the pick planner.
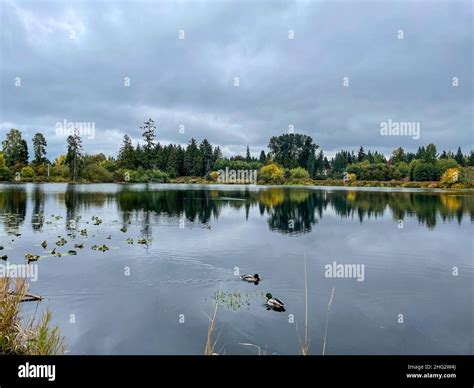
(154, 296)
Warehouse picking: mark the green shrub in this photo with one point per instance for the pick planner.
(41, 169)
(96, 173)
(299, 173)
(157, 176)
(425, 172)
(27, 172)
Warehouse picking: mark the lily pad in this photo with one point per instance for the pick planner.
(31, 257)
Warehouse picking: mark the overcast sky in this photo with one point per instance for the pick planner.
(71, 59)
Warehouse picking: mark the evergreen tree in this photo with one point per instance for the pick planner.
(459, 158)
(24, 155)
(319, 166)
(471, 159)
(139, 156)
(192, 160)
(248, 158)
(14, 149)
(161, 154)
(361, 154)
(311, 166)
(430, 155)
(74, 155)
(217, 154)
(39, 148)
(126, 156)
(420, 154)
(370, 157)
(148, 135)
(180, 153)
(207, 157)
(263, 157)
(172, 167)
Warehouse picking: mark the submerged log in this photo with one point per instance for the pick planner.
(31, 297)
(27, 297)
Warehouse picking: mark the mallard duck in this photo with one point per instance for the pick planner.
(274, 303)
(251, 278)
(4, 257)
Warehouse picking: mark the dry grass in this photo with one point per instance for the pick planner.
(18, 336)
(331, 299)
(304, 346)
(210, 344)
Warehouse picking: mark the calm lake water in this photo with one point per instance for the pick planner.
(153, 298)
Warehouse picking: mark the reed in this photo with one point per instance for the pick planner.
(304, 347)
(210, 344)
(19, 336)
(331, 299)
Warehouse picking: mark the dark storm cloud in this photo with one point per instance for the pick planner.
(282, 81)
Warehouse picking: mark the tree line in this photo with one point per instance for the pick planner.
(289, 156)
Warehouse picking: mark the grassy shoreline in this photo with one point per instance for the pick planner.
(295, 182)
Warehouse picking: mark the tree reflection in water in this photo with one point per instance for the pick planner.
(288, 210)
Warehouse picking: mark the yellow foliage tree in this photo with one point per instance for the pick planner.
(450, 177)
(272, 173)
(60, 160)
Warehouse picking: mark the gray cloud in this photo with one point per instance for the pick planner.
(282, 82)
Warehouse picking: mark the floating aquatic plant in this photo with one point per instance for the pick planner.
(79, 246)
(97, 220)
(56, 254)
(231, 300)
(31, 257)
(44, 244)
(62, 241)
(103, 248)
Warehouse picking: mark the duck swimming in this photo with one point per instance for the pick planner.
(274, 303)
(251, 278)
